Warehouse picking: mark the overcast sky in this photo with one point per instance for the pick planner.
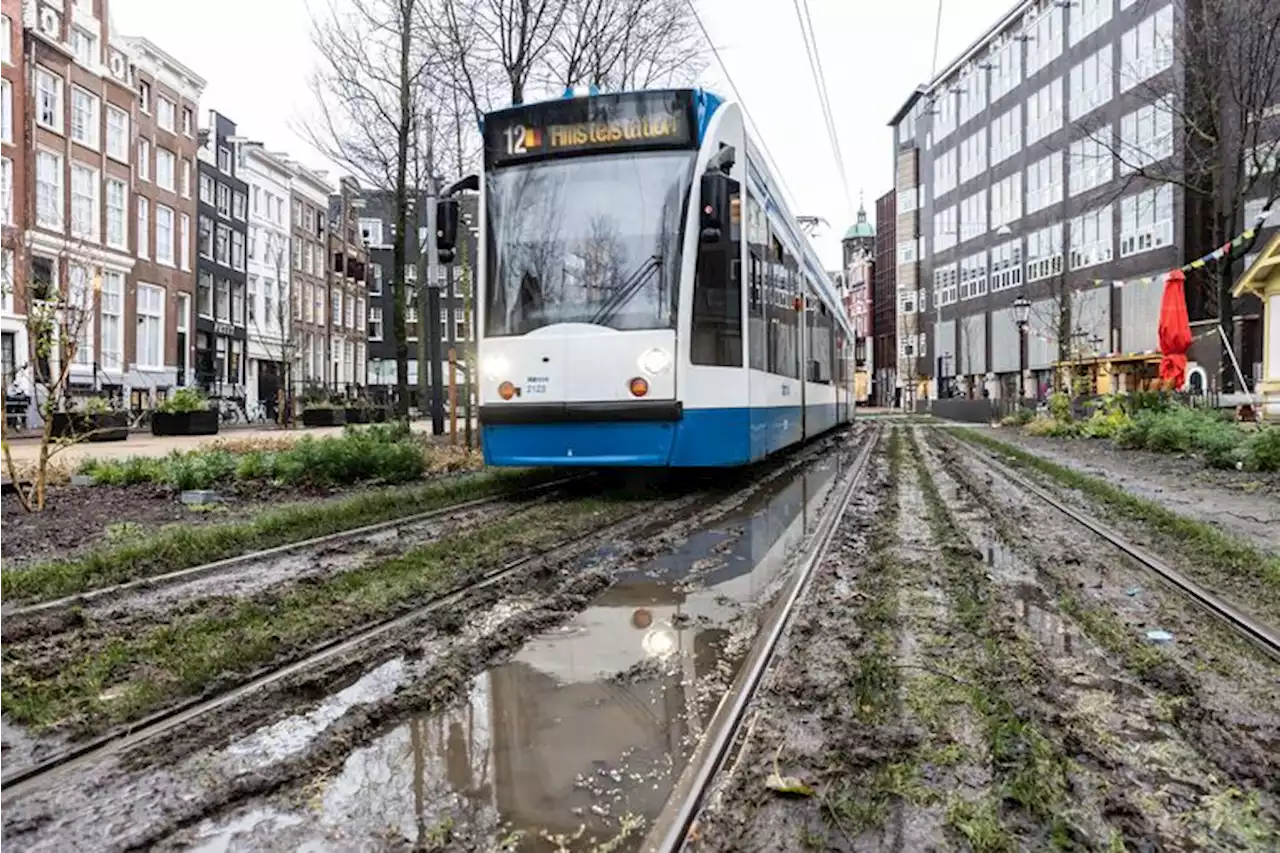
(256, 54)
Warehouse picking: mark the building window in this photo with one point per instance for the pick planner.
(80, 299)
(237, 250)
(84, 118)
(944, 174)
(188, 121)
(906, 302)
(1044, 111)
(164, 235)
(166, 113)
(144, 160)
(1006, 135)
(944, 120)
(376, 289)
(1006, 72)
(1090, 165)
(224, 160)
(907, 200)
(6, 111)
(350, 313)
(164, 169)
(1086, 17)
(375, 323)
(973, 155)
(973, 276)
(111, 313)
(318, 296)
(117, 214)
(204, 235)
(204, 295)
(222, 303)
(1090, 83)
(308, 263)
(973, 216)
(1044, 253)
(237, 205)
(48, 100)
(150, 326)
(335, 307)
(362, 318)
(6, 40)
(184, 185)
(317, 252)
(237, 302)
(184, 242)
(297, 255)
(224, 200)
(84, 202)
(1146, 220)
(907, 253)
(269, 303)
(945, 286)
(144, 96)
(371, 231)
(117, 134)
(1146, 136)
(1092, 235)
(206, 189)
(1044, 42)
(251, 306)
(1006, 265)
(1146, 49)
(1044, 182)
(6, 190)
(308, 304)
(1006, 200)
(222, 245)
(945, 230)
(144, 226)
(972, 94)
(49, 190)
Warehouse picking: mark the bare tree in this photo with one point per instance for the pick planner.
(59, 325)
(277, 330)
(1212, 129)
(627, 44)
(373, 94)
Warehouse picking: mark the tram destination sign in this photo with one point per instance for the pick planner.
(625, 122)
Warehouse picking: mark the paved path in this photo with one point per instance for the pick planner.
(145, 444)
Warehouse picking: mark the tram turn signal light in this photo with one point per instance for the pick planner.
(506, 390)
(639, 386)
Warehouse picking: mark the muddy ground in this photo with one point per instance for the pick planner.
(300, 731)
(979, 677)
(1241, 503)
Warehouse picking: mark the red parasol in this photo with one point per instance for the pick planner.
(1175, 331)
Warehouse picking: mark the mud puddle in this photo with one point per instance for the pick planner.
(575, 740)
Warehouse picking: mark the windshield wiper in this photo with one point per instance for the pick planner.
(627, 291)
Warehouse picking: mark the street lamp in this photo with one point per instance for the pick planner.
(1022, 315)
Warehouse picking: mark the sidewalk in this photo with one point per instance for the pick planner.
(145, 444)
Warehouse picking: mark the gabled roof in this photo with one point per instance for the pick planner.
(1267, 264)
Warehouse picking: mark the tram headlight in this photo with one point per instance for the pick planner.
(494, 367)
(659, 642)
(654, 361)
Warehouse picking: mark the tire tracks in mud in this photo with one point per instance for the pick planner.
(952, 705)
(1192, 729)
(160, 787)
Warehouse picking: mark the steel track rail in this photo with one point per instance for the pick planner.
(156, 724)
(1266, 638)
(671, 829)
(196, 572)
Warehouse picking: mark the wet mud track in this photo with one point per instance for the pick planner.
(315, 732)
(972, 672)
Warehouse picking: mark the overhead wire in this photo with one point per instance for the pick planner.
(791, 198)
(814, 53)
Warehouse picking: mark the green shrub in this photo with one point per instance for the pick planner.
(1105, 422)
(1048, 427)
(183, 401)
(1020, 417)
(1260, 451)
(1060, 406)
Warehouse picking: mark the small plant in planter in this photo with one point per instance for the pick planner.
(96, 420)
(187, 412)
(321, 413)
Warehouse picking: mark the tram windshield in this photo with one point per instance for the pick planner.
(585, 240)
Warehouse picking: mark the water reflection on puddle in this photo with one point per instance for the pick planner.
(585, 724)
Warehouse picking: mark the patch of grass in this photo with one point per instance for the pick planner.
(978, 821)
(183, 546)
(182, 658)
(1196, 540)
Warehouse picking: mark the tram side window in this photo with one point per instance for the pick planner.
(717, 292)
(757, 284)
(819, 341)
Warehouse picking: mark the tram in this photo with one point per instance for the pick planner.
(645, 298)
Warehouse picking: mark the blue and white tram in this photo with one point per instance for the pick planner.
(646, 298)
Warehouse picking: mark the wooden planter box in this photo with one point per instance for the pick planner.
(81, 426)
(324, 417)
(184, 423)
(357, 415)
